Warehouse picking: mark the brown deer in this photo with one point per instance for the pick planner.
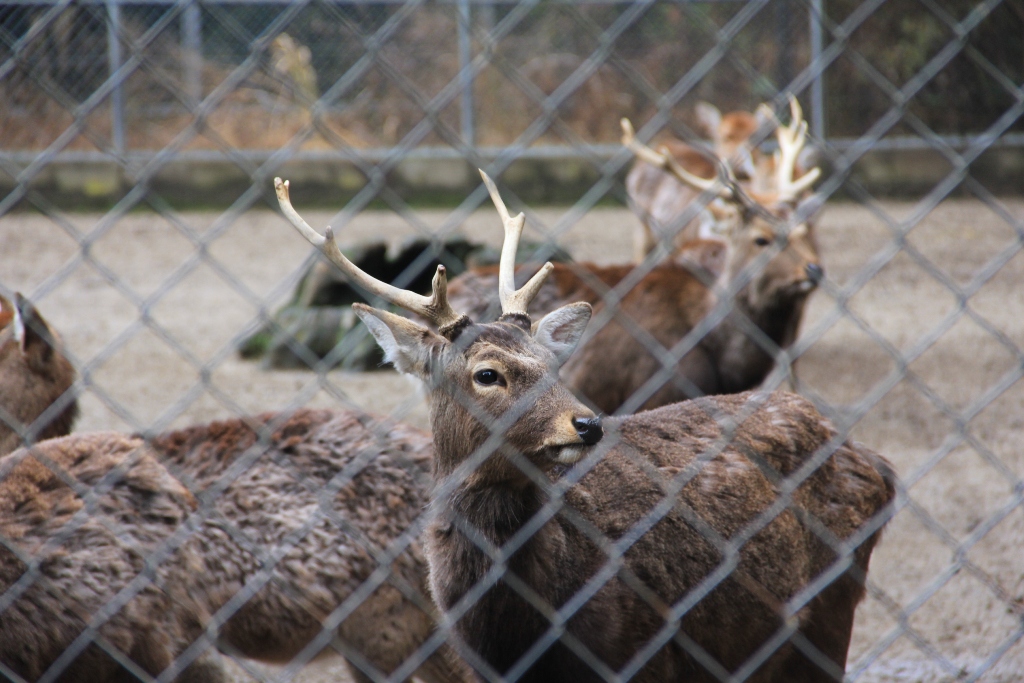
(377, 474)
(728, 535)
(37, 400)
(66, 557)
(670, 207)
(676, 332)
(302, 510)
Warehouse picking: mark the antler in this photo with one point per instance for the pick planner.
(512, 300)
(434, 308)
(722, 186)
(791, 140)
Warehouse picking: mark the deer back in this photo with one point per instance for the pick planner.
(272, 473)
(36, 379)
(87, 550)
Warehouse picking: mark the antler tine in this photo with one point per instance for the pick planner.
(791, 140)
(722, 186)
(434, 308)
(513, 301)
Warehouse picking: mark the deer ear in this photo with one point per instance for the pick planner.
(709, 118)
(560, 330)
(407, 345)
(31, 332)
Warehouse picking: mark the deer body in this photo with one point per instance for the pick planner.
(667, 304)
(35, 378)
(674, 557)
(695, 525)
(381, 474)
(373, 476)
(88, 555)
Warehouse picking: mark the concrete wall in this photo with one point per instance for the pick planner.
(331, 183)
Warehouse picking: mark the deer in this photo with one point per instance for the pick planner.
(80, 516)
(37, 398)
(755, 289)
(301, 509)
(724, 535)
(376, 474)
(670, 208)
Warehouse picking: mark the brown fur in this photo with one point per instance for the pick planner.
(261, 493)
(380, 471)
(36, 380)
(86, 551)
(722, 484)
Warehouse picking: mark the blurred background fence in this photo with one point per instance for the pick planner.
(254, 84)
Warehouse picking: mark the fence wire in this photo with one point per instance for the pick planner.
(246, 517)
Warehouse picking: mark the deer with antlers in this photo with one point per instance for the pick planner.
(725, 536)
(665, 188)
(769, 266)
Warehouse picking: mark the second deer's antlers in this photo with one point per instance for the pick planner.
(434, 308)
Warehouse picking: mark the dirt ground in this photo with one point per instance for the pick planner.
(947, 581)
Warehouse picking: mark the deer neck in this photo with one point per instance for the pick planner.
(741, 361)
(485, 510)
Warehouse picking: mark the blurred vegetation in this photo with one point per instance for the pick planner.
(376, 90)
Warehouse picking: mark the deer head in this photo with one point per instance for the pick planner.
(501, 376)
(731, 135)
(750, 221)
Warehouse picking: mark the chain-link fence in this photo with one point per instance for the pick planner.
(282, 499)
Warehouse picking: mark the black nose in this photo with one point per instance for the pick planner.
(814, 272)
(589, 429)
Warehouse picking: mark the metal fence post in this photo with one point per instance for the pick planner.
(192, 47)
(114, 59)
(817, 9)
(784, 45)
(465, 75)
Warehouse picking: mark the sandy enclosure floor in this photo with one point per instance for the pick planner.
(953, 558)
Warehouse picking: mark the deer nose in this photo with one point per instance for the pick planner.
(589, 429)
(814, 272)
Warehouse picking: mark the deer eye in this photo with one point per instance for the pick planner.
(762, 241)
(488, 378)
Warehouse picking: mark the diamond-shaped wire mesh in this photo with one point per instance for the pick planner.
(214, 517)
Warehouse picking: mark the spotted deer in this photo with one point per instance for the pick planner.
(754, 287)
(303, 508)
(37, 399)
(726, 535)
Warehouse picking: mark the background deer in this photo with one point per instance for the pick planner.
(670, 208)
(756, 285)
(267, 480)
(555, 527)
(36, 379)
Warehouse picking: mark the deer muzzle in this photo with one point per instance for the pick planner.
(589, 429)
